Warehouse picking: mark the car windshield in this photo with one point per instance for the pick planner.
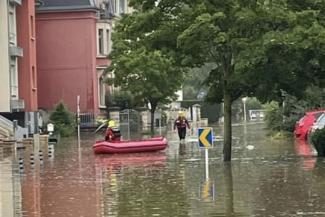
(318, 114)
(321, 120)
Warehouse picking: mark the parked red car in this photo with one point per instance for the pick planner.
(303, 125)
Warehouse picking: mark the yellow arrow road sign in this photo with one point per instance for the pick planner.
(205, 137)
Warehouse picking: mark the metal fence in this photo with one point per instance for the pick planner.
(130, 121)
(87, 120)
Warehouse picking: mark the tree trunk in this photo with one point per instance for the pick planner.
(227, 125)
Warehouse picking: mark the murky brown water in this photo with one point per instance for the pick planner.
(265, 178)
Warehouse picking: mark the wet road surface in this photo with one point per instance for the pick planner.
(266, 177)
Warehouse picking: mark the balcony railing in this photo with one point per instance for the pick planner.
(15, 51)
(17, 104)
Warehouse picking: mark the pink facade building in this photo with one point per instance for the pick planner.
(66, 55)
(27, 73)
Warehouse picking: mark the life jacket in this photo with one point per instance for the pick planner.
(181, 122)
(113, 134)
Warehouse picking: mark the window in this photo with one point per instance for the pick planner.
(13, 78)
(115, 6)
(32, 30)
(12, 26)
(104, 39)
(102, 91)
(122, 6)
(34, 79)
(108, 41)
(100, 41)
(322, 121)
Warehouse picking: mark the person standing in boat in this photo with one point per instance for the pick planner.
(112, 133)
(181, 123)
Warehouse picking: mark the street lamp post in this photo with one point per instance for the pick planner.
(244, 102)
(283, 95)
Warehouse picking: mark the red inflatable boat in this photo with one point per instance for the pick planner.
(152, 144)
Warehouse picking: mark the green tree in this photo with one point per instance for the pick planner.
(63, 120)
(294, 109)
(273, 116)
(225, 32)
(258, 47)
(139, 66)
(123, 100)
(194, 82)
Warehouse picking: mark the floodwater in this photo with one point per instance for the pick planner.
(267, 177)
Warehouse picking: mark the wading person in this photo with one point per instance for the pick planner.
(112, 132)
(181, 124)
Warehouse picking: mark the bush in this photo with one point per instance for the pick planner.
(123, 100)
(63, 120)
(318, 140)
(278, 120)
(273, 116)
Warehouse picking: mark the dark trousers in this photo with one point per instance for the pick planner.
(181, 133)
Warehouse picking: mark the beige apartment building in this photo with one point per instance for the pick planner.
(18, 73)
(10, 52)
(109, 11)
(4, 60)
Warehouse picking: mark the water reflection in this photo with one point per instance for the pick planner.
(10, 188)
(229, 199)
(307, 152)
(135, 185)
(182, 149)
(276, 178)
(130, 160)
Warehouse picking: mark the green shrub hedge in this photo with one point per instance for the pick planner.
(318, 140)
(63, 120)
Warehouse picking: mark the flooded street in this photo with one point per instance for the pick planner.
(266, 177)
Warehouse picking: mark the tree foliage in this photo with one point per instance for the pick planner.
(141, 60)
(318, 140)
(124, 100)
(273, 116)
(193, 87)
(292, 109)
(258, 47)
(63, 120)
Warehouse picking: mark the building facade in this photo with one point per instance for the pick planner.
(18, 89)
(27, 71)
(109, 11)
(4, 59)
(66, 54)
(10, 53)
(73, 44)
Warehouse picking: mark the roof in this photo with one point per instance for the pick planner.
(316, 111)
(65, 5)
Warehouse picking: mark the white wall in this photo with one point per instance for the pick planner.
(180, 95)
(4, 60)
(6, 189)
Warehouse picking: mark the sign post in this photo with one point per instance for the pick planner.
(78, 118)
(206, 141)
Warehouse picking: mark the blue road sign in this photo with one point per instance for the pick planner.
(205, 137)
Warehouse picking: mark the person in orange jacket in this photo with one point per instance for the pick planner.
(112, 132)
(181, 123)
